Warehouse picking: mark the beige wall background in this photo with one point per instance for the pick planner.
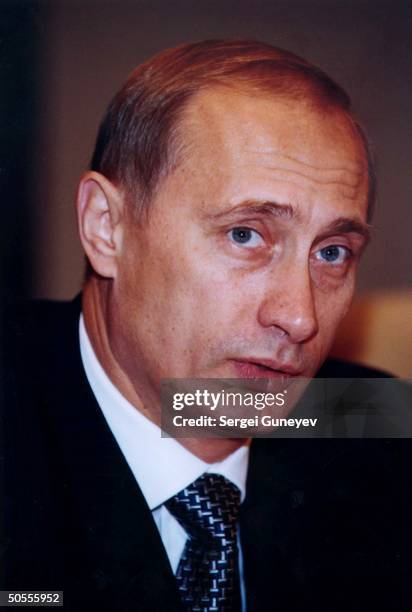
(87, 48)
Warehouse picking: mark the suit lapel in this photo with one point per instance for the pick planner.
(269, 576)
(114, 547)
(277, 524)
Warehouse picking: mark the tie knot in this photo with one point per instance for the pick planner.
(208, 509)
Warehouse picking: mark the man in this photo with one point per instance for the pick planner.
(223, 219)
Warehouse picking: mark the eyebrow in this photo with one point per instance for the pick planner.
(344, 225)
(341, 225)
(258, 207)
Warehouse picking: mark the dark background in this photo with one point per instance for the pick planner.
(62, 60)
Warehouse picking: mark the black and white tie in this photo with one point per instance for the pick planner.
(208, 571)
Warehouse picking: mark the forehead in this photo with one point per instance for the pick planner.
(244, 139)
(227, 117)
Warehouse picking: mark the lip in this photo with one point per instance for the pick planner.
(264, 368)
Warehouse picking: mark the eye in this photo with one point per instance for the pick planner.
(334, 254)
(245, 236)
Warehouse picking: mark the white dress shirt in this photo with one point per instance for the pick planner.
(161, 466)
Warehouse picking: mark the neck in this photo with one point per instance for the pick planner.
(96, 294)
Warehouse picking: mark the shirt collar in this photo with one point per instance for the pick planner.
(161, 466)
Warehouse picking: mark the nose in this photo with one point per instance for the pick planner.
(288, 304)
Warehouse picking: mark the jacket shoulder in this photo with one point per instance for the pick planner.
(38, 324)
(40, 312)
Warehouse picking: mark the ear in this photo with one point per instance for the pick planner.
(100, 211)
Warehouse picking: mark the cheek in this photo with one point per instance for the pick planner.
(180, 305)
(331, 308)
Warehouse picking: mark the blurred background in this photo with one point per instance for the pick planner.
(61, 62)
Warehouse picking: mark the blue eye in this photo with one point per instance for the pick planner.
(245, 236)
(334, 254)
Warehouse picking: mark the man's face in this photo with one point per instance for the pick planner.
(247, 263)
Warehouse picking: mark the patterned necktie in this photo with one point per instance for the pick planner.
(208, 571)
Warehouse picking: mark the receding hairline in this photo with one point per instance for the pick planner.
(182, 141)
(140, 139)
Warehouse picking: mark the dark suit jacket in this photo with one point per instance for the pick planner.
(325, 525)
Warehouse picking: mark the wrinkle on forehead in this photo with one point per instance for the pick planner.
(349, 167)
(233, 136)
(348, 178)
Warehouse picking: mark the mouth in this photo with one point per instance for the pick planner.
(264, 368)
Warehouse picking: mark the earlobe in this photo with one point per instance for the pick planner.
(99, 214)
